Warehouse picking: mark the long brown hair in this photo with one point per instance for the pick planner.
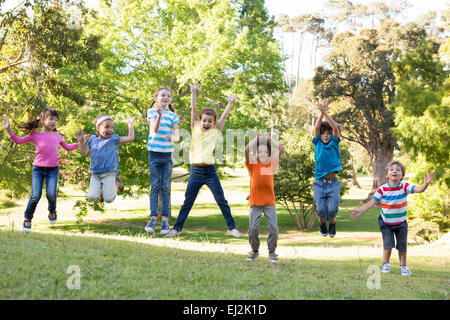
(34, 124)
(156, 94)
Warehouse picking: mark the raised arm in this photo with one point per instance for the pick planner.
(317, 125)
(82, 138)
(428, 178)
(324, 107)
(367, 206)
(130, 136)
(194, 88)
(224, 116)
(251, 146)
(7, 125)
(154, 124)
(275, 144)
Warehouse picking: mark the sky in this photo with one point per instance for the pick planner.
(298, 7)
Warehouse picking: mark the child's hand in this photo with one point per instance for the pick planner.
(193, 86)
(130, 120)
(429, 177)
(356, 213)
(79, 135)
(168, 137)
(5, 123)
(324, 106)
(232, 98)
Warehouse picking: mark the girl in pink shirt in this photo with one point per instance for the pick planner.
(46, 161)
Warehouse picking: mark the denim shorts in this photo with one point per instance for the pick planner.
(388, 232)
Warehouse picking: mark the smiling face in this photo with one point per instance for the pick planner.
(105, 129)
(394, 174)
(207, 121)
(163, 98)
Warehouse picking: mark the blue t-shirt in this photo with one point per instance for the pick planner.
(104, 156)
(328, 157)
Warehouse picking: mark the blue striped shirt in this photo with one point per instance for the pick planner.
(156, 141)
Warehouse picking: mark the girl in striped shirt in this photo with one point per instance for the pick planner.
(163, 133)
(392, 221)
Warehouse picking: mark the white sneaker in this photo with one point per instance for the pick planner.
(386, 268)
(404, 271)
(273, 257)
(173, 233)
(235, 232)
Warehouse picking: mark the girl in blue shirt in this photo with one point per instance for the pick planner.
(328, 163)
(104, 157)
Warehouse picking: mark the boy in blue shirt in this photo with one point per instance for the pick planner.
(328, 163)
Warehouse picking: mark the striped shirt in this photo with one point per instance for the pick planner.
(156, 141)
(393, 202)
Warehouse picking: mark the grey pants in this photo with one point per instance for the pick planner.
(270, 213)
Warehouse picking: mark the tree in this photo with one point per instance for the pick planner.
(38, 39)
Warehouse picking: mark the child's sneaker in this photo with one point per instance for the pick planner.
(165, 227)
(52, 217)
(273, 257)
(404, 271)
(252, 255)
(235, 232)
(323, 229)
(119, 184)
(27, 226)
(332, 230)
(173, 233)
(150, 227)
(386, 268)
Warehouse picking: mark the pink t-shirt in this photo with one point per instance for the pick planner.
(47, 153)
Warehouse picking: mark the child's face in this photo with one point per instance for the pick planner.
(105, 129)
(263, 154)
(395, 173)
(207, 121)
(50, 122)
(164, 98)
(325, 136)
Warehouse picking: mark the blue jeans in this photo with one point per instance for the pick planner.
(160, 165)
(38, 175)
(201, 175)
(327, 197)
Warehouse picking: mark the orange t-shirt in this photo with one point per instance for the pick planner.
(261, 183)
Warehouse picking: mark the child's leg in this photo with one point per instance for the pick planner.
(51, 184)
(320, 201)
(402, 257)
(195, 182)
(270, 213)
(154, 165)
(387, 255)
(166, 175)
(333, 199)
(214, 185)
(253, 227)
(401, 235)
(95, 187)
(37, 182)
(109, 188)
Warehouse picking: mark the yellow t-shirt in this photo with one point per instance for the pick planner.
(203, 145)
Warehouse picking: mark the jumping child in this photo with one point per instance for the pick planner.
(392, 220)
(163, 133)
(328, 163)
(104, 157)
(203, 171)
(46, 161)
(261, 165)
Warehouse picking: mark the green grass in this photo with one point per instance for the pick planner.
(35, 267)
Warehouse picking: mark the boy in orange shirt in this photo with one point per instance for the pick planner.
(261, 167)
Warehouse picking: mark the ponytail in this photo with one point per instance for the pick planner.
(32, 125)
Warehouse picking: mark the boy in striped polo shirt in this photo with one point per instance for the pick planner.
(392, 221)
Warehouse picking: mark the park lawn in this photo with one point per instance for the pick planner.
(37, 266)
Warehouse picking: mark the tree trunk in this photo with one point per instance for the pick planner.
(354, 180)
(379, 163)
